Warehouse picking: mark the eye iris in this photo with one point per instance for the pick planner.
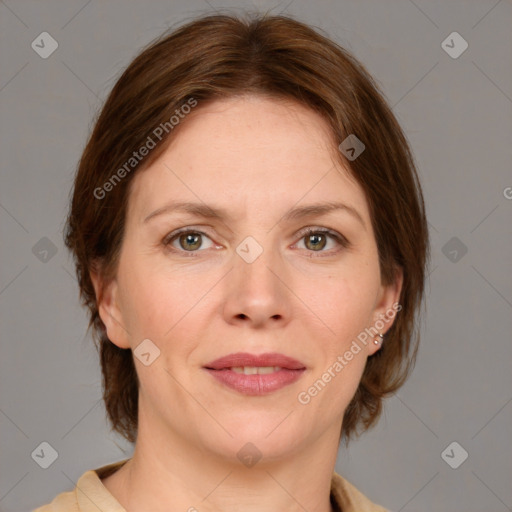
(315, 239)
(189, 242)
(192, 241)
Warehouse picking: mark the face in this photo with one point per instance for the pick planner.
(259, 272)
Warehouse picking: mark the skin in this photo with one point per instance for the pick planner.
(257, 158)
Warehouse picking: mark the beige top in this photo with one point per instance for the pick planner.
(90, 495)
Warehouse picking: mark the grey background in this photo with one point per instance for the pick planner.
(457, 114)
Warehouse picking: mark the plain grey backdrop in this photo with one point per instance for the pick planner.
(455, 105)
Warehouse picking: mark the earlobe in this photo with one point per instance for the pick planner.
(109, 311)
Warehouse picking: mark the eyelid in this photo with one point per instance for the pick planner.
(338, 237)
(179, 231)
(167, 240)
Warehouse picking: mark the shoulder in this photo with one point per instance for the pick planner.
(350, 499)
(64, 502)
(91, 490)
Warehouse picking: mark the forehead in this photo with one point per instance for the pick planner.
(259, 150)
(249, 125)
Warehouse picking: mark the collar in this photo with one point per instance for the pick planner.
(344, 496)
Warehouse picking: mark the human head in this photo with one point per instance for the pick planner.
(221, 57)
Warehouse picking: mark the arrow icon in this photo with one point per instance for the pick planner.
(147, 352)
(249, 254)
(454, 249)
(454, 45)
(44, 455)
(352, 147)
(44, 250)
(454, 455)
(249, 455)
(455, 254)
(44, 45)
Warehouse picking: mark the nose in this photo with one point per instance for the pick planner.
(256, 293)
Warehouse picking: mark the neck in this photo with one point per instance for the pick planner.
(169, 472)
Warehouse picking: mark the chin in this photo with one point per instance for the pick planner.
(268, 433)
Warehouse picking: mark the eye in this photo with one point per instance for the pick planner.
(187, 240)
(321, 240)
(317, 239)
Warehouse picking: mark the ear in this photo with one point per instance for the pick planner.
(386, 307)
(109, 310)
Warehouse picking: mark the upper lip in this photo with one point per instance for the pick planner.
(244, 359)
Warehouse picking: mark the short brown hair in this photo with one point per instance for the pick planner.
(220, 56)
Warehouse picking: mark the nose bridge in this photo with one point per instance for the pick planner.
(256, 291)
(253, 263)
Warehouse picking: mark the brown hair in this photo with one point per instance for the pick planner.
(221, 56)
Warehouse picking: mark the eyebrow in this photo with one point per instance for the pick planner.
(300, 212)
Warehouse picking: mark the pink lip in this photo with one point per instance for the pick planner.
(244, 359)
(290, 371)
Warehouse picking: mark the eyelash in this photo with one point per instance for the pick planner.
(340, 239)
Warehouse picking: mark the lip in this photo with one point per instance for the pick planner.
(290, 371)
(245, 359)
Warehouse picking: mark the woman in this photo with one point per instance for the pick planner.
(250, 240)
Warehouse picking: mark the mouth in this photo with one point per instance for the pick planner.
(256, 374)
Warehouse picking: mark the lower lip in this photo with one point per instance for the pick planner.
(256, 384)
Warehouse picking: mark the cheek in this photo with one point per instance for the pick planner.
(157, 303)
(346, 306)
(345, 302)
